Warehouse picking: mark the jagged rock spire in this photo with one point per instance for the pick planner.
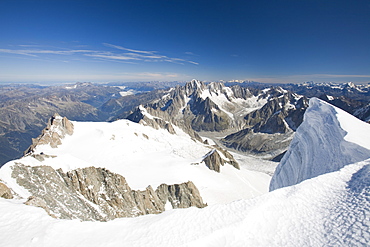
(57, 128)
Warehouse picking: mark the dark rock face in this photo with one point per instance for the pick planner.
(359, 109)
(57, 128)
(188, 108)
(270, 128)
(207, 116)
(363, 113)
(214, 161)
(278, 115)
(98, 194)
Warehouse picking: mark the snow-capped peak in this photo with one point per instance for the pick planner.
(194, 86)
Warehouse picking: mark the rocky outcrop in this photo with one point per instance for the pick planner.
(98, 194)
(180, 195)
(38, 202)
(5, 192)
(57, 128)
(141, 116)
(218, 157)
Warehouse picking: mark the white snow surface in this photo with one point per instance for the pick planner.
(332, 209)
(145, 156)
(327, 140)
(329, 210)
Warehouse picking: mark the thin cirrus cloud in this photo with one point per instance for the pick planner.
(35, 53)
(149, 56)
(126, 49)
(119, 56)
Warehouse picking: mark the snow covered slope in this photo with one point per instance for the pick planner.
(329, 210)
(327, 140)
(144, 156)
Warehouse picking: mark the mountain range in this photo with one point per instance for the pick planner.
(151, 167)
(248, 117)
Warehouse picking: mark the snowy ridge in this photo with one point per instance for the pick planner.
(327, 140)
(144, 156)
(329, 210)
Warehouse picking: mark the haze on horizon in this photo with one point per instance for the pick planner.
(266, 41)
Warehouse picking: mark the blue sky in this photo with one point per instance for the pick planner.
(135, 40)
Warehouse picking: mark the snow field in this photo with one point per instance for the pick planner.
(300, 215)
(145, 156)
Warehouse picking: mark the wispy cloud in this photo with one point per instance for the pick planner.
(36, 52)
(106, 55)
(98, 77)
(191, 53)
(112, 56)
(126, 49)
(149, 56)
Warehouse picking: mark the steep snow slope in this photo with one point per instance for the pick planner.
(144, 156)
(327, 140)
(329, 210)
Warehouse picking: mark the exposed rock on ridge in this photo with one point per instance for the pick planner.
(154, 122)
(218, 157)
(5, 192)
(98, 194)
(57, 128)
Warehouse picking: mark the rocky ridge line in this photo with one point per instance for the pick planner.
(96, 194)
(57, 128)
(261, 122)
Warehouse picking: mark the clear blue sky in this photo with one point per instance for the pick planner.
(135, 40)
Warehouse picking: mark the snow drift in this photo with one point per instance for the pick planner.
(327, 140)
